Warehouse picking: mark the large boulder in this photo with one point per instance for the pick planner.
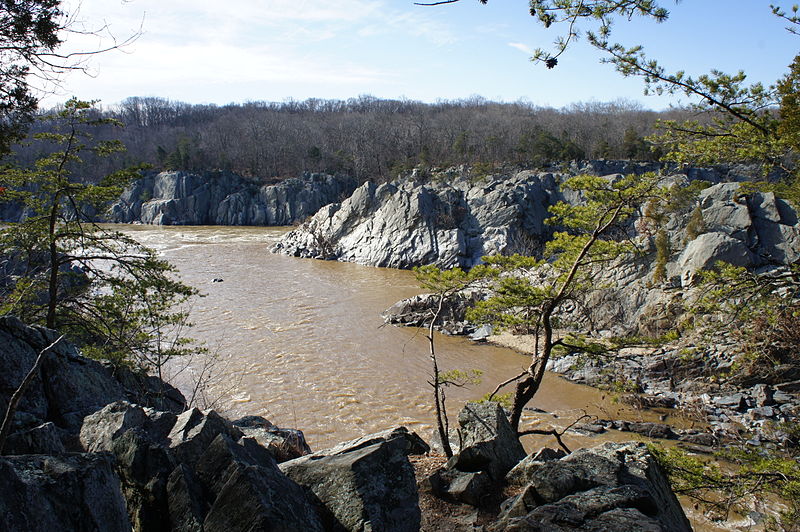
(137, 437)
(488, 442)
(68, 386)
(366, 484)
(282, 444)
(71, 492)
(193, 432)
(489, 449)
(615, 486)
(706, 250)
(416, 311)
(198, 469)
(248, 490)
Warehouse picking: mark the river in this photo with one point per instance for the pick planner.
(301, 342)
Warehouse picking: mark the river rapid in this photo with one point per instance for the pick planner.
(301, 342)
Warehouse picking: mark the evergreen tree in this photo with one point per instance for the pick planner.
(530, 292)
(106, 292)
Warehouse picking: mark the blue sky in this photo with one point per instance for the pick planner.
(204, 51)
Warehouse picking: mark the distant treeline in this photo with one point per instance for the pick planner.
(366, 137)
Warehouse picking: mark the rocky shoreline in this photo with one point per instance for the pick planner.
(757, 231)
(94, 447)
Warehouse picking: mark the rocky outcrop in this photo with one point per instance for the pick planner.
(452, 219)
(489, 449)
(365, 484)
(416, 311)
(67, 388)
(616, 486)
(451, 222)
(758, 231)
(67, 492)
(217, 198)
(147, 469)
(282, 444)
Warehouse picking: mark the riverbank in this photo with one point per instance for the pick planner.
(90, 449)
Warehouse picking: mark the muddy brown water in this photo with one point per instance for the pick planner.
(301, 342)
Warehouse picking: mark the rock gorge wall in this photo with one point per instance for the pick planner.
(216, 198)
(454, 220)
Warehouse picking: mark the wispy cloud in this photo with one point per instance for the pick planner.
(521, 47)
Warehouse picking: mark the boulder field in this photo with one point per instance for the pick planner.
(94, 447)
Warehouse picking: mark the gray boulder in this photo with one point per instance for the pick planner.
(417, 311)
(282, 444)
(249, 492)
(100, 429)
(366, 484)
(489, 443)
(193, 432)
(489, 449)
(137, 437)
(616, 486)
(77, 492)
(706, 250)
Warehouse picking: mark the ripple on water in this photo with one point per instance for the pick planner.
(302, 343)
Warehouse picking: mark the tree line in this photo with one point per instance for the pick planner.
(366, 137)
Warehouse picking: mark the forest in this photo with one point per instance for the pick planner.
(365, 137)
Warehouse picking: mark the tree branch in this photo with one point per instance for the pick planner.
(16, 397)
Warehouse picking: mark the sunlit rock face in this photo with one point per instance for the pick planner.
(182, 198)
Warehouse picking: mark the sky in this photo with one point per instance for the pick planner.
(234, 51)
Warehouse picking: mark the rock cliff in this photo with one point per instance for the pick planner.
(182, 198)
(453, 219)
(449, 222)
(755, 230)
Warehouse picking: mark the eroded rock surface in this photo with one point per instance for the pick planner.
(615, 486)
(365, 484)
(452, 222)
(182, 198)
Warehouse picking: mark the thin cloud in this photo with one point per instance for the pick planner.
(521, 47)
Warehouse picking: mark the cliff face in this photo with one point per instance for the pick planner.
(449, 223)
(182, 198)
(454, 221)
(757, 231)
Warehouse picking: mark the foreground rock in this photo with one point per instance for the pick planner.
(366, 484)
(181, 198)
(148, 469)
(616, 486)
(68, 387)
(69, 492)
(490, 448)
